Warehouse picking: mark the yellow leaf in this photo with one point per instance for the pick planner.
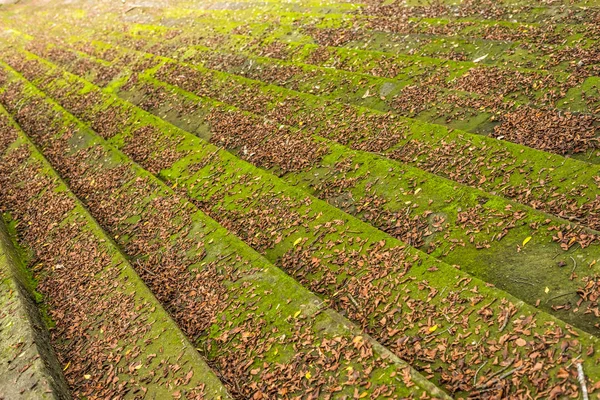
(433, 328)
(296, 314)
(276, 352)
(526, 240)
(547, 290)
(67, 366)
(87, 376)
(297, 241)
(363, 395)
(308, 375)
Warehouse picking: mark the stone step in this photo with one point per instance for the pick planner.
(111, 336)
(293, 229)
(262, 333)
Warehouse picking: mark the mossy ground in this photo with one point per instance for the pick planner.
(284, 123)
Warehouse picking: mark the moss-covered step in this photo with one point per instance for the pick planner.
(558, 185)
(111, 336)
(336, 33)
(539, 3)
(465, 97)
(437, 101)
(357, 268)
(526, 11)
(29, 368)
(263, 333)
(432, 213)
(238, 36)
(496, 89)
(495, 29)
(502, 41)
(502, 168)
(572, 90)
(480, 113)
(431, 99)
(441, 99)
(288, 31)
(459, 95)
(492, 238)
(554, 184)
(506, 87)
(578, 58)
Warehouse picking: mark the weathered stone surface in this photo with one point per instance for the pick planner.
(28, 367)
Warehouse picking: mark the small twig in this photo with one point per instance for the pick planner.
(208, 176)
(488, 389)
(558, 296)
(443, 290)
(509, 373)
(316, 239)
(353, 300)
(445, 330)
(503, 376)
(575, 359)
(489, 380)
(581, 378)
(574, 264)
(141, 266)
(521, 281)
(226, 256)
(477, 373)
(573, 248)
(508, 316)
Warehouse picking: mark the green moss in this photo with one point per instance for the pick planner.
(275, 287)
(378, 170)
(128, 281)
(395, 182)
